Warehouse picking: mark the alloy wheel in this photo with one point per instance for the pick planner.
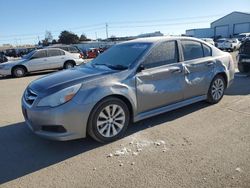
(218, 89)
(111, 120)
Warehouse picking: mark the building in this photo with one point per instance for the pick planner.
(227, 26)
(201, 33)
(232, 24)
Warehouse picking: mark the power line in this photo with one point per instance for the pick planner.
(115, 26)
(165, 25)
(164, 20)
(93, 26)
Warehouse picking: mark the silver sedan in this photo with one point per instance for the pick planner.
(128, 83)
(38, 60)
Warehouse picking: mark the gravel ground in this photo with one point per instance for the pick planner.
(199, 145)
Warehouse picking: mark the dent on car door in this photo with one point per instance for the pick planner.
(38, 61)
(198, 67)
(161, 81)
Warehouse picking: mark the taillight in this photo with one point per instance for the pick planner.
(231, 63)
(81, 55)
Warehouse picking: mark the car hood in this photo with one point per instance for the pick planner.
(13, 62)
(66, 78)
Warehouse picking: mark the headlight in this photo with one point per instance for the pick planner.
(60, 97)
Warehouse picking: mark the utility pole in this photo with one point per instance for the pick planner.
(96, 35)
(107, 34)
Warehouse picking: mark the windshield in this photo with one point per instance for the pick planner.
(29, 55)
(121, 56)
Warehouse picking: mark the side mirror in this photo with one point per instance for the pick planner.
(140, 68)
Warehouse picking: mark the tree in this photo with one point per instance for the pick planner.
(83, 37)
(54, 41)
(67, 37)
(48, 36)
(45, 42)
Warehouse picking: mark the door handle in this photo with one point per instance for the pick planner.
(45, 60)
(175, 70)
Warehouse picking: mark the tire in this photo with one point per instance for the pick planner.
(241, 68)
(216, 90)
(18, 72)
(68, 65)
(107, 128)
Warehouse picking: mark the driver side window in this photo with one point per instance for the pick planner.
(163, 54)
(40, 54)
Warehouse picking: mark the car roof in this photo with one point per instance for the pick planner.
(50, 49)
(160, 39)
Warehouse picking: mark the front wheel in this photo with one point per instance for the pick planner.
(216, 90)
(108, 120)
(18, 72)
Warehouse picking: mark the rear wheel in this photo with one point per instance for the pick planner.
(69, 65)
(216, 90)
(109, 120)
(18, 72)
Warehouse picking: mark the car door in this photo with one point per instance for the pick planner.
(161, 81)
(39, 61)
(198, 68)
(56, 58)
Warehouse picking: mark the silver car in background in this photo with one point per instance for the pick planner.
(129, 82)
(208, 40)
(38, 60)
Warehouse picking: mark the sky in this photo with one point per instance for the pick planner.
(26, 21)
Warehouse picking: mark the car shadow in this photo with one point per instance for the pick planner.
(22, 152)
(30, 74)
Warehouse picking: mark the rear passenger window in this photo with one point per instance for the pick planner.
(64, 48)
(54, 53)
(191, 50)
(206, 50)
(73, 50)
(165, 53)
(62, 52)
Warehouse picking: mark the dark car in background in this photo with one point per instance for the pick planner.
(3, 58)
(11, 52)
(244, 57)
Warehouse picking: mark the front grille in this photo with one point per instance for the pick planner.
(30, 96)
